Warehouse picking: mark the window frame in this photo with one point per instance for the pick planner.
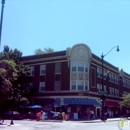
(41, 67)
(58, 68)
(40, 86)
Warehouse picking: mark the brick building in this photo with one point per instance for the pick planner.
(73, 77)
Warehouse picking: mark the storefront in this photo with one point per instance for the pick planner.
(113, 108)
(76, 107)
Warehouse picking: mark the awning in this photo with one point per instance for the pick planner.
(62, 101)
(85, 101)
(112, 104)
(76, 101)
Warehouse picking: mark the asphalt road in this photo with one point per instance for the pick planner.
(65, 125)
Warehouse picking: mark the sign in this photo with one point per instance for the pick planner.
(102, 92)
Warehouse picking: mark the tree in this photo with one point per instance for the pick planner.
(13, 72)
(46, 50)
(126, 101)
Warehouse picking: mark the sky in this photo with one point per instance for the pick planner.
(59, 24)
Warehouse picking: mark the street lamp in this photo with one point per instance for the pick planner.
(2, 10)
(103, 95)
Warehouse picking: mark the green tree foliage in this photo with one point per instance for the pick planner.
(13, 72)
(46, 50)
(126, 101)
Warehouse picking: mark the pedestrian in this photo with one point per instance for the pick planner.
(88, 113)
(92, 114)
(127, 113)
(30, 115)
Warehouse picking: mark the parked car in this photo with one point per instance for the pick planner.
(16, 115)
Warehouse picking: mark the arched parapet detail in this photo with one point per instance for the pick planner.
(80, 52)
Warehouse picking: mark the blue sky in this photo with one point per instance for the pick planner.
(101, 24)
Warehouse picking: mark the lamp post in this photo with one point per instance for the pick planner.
(1, 21)
(12, 123)
(103, 95)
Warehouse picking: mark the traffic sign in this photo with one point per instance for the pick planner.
(102, 92)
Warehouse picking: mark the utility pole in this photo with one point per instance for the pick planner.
(1, 21)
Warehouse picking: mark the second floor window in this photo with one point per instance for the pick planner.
(42, 86)
(57, 85)
(80, 85)
(42, 69)
(99, 87)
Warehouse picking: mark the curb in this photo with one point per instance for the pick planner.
(44, 120)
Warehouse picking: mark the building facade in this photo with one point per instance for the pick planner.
(73, 77)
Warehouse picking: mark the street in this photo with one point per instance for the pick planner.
(65, 125)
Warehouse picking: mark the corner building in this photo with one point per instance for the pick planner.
(71, 80)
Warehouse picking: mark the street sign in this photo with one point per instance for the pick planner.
(102, 92)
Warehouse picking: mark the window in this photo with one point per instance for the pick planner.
(110, 77)
(42, 87)
(58, 68)
(80, 66)
(57, 86)
(110, 89)
(104, 88)
(80, 85)
(31, 70)
(73, 85)
(116, 92)
(86, 85)
(42, 69)
(98, 72)
(73, 66)
(104, 74)
(86, 67)
(99, 87)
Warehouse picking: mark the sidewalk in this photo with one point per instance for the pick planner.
(81, 121)
(97, 120)
(15, 126)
